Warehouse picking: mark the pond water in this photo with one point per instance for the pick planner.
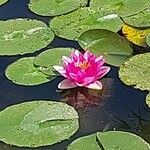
(116, 107)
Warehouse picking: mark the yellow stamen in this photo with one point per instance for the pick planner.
(83, 65)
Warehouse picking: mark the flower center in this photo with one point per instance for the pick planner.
(83, 65)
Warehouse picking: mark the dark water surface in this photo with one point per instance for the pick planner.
(116, 107)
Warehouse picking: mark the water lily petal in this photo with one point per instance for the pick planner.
(97, 85)
(102, 72)
(66, 60)
(85, 81)
(100, 61)
(87, 55)
(77, 56)
(61, 70)
(100, 58)
(66, 84)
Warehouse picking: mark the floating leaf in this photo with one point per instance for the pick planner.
(136, 72)
(72, 25)
(135, 35)
(110, 141)
(37, 123)
(3, 1)
(46, 60)
(21, 36)
(122, 7)
(85, 143)
(112, 46)
(148, 100)
(148, 40)
(24, 72)
(118, 140)
(55, 7)
(141, 19)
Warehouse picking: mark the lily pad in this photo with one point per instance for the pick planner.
(136, 72)
(116, 52)
(72, 25)
(55, 7)
(148, 39)
(3, 1)
(136, 35)
(23, 72)
(117, 140)
(21, 36)
(46, 60)
(142, 19)
(148, 100)
(85, 143)
(122, 7)
(37, 123)
(110, 141)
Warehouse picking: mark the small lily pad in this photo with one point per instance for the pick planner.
(46, 60)
(23, 72)
(3, 1)
(55, 7)
(122, 7)
(148, 100)
(116, 52)
(21, 36)
(72, 25)
(37, 123)
(117, 140)
(136, 72)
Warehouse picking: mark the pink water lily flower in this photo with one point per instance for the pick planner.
(83, 70)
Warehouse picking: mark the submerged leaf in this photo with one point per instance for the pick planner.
(55, 7)
(72, 25)
(21, 36)
(37, 123)
(112, 46)
(136, 35)
(23, 72)
(136, 71)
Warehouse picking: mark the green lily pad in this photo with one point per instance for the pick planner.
(46, 60)
(118, 140)
(142, 19)
(110, 141)
(121, 7)
(21, 36)
(148, 100)
(3, 1)
(85, 143)
(136, 71)
(37, 123)
(72, 25)
(23, 72)
(55, 7)
(148, 40)
(115, 48)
